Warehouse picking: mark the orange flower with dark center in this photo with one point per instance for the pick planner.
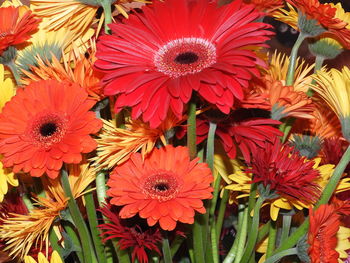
(16, 25)
(46, 124)
(166, 187)
(322, 236)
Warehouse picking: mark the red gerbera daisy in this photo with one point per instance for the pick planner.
(46, 124)
(16, 25)
(133, 237)
(322, 235)
(166, 187)
(236, 132)
(288, 174)
(154, 60)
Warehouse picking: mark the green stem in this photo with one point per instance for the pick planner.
(253, 234)
(233, 251)
(191, 129)
(210, 145)
(54, 242)
(198, 249)
(263, 232)
(87, 245)
(221, 213)
(14, 71)
(272, 239)
(286, 127)
(175, 245)
(107, 10)
(27, 202)
(318, 65)
(251, 203)
(293, 59)
(242, 236)
(93, 222)
(70, 230)
(166, 250)
(287, 222)
(101, 188)
(326, 195)
(282, 254)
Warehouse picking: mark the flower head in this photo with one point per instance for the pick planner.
(288, 174)
(16, 26)
(266, 6)
(115, 145)
(165, 187)
(134, 237)
(52, 127)
(153, 66)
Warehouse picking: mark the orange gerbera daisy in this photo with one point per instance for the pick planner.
(46, 124)
(322, 236)
(79, 69)
(166, 187)
(116, 144)
(284, 100)
(16, 25)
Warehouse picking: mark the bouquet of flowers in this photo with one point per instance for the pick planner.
(170, 131)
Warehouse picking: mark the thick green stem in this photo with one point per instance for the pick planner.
(175, 245)
(54, 242)
(93, 222)
(198, 240)
(27, 202)
(282, 254)
(107, 10)
(287, 222)
(191, 129)
(221, 213)
(251, 203)
(326, 195)
(253, 234)
(242, 236)
(101, 188)
(272, 239)
(166, 250)
(87, 245)
(293, 60)
(263, 231)
(70, 230)
(318, 65)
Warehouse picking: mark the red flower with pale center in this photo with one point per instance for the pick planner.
(322, 235)
(235, 132)
(133, 237)
(165, 187)
(16, 25)
(46, 124)
(155, 60)
(288, 174)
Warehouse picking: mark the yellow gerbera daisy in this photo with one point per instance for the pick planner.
(278, 69)
(77, 15)
(240, 182)
(21, 232)
(7, 90)
(55, 258)
(334, 87)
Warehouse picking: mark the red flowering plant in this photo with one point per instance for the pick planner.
(176, 134)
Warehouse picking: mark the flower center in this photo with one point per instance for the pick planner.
(162, 186)
(47, 129)
(185, 56)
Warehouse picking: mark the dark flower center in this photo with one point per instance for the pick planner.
(186, 58)
(161, 187)
(47, 129)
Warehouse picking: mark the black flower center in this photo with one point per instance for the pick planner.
(186, 58)
(47, 129)
(161, 187)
